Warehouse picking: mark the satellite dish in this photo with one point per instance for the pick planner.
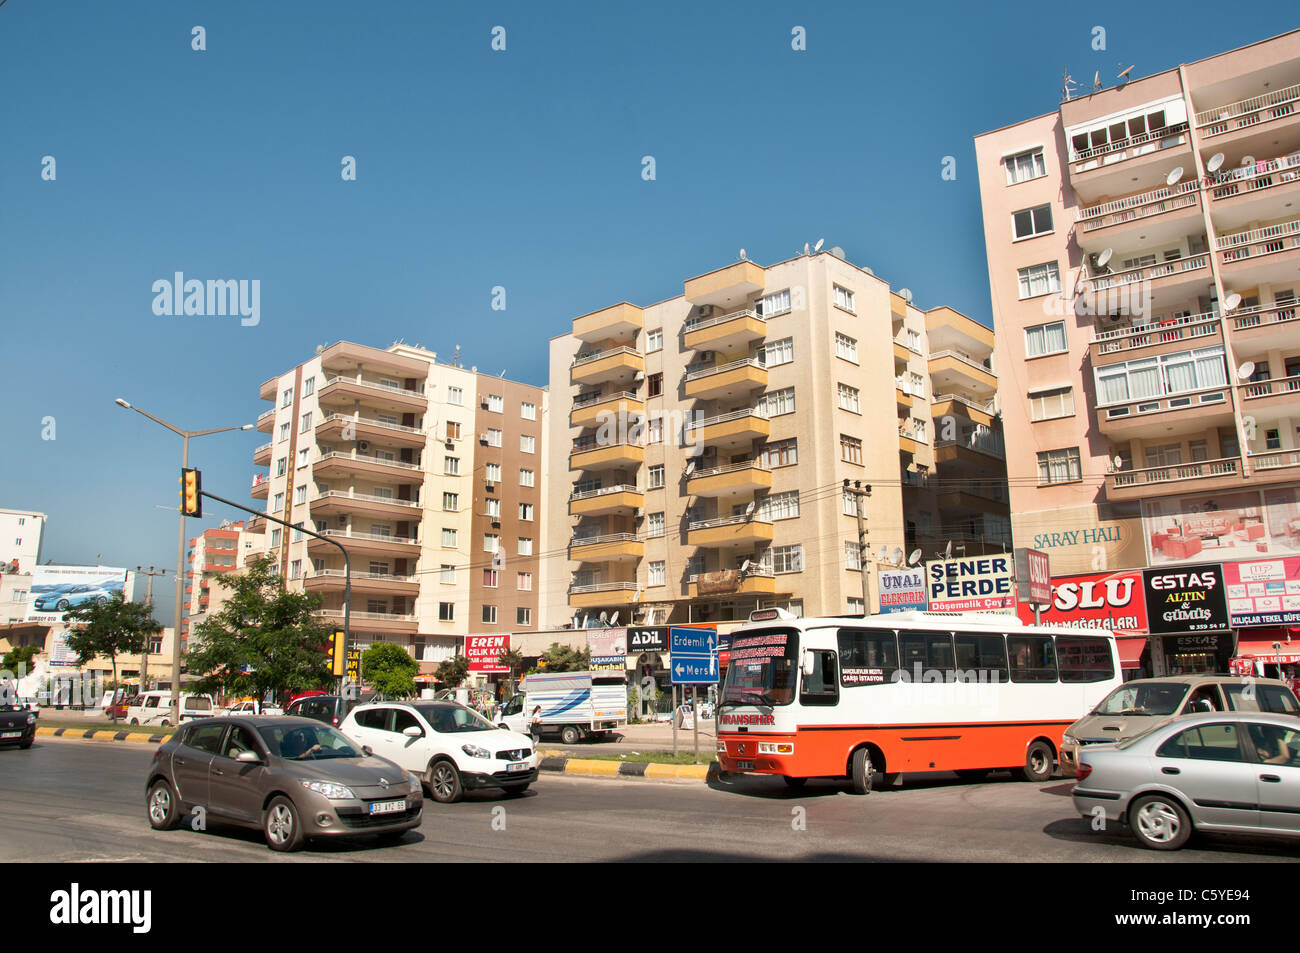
(820, 243)
(883, 555)
(1232, 302)
(1174, 175)
(749, 510)
(1104, 257)
(604, 618)
(1118, 461)
(742, 254)
(947, 553)
(1247, 368)
(744, 567)
(1216, 160)
(914, 557)
(898, 555)
(613, 620)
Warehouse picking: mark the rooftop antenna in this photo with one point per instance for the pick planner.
(1096, 81)
(455, 358)
(820, 243)
(742, 255)
(1123, 76)
(1067, 84)
(805, 248)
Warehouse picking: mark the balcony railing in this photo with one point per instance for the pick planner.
(368, 458)
(763, 572)
(1270, 388)
(371, 537)
(602, 491)
(365, 498)
(1275, 459)
(366, 616)
(259, 479)
(1134, 207)
(730, 468)
(1201, 470)
(1160, 331)
(603, 587)
(607, 538)
(1263, 317)
(374, 385)
(265, 446)
(1263, 174)
(380, 576)
(935, 355)
(699, 324)
(1248, 112)
(728, 417)
(1120, 145)
(986, 406)
(724, 521)
(370, 422)
(265, 415)
(1260, 241)
(723, 368)
(592, 442)
(1161, 269)
(591, 356)
(586, 400)
(993, 447)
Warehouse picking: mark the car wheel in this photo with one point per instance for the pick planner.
(795, 783)
(972, 774)
(163, 809)
(62, 605)
(862, 771)
(570, 735)
(135, 721)
(1038, 763)
(443, 781)
(1159, 822)
(281, 826)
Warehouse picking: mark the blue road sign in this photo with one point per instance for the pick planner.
(693, 656)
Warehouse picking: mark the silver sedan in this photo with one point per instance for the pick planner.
(1234, 772)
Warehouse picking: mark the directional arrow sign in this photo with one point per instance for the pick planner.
(694, 656)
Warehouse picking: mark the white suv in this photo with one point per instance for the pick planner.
(453, 748)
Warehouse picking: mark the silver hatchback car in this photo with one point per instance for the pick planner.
(1235, 772)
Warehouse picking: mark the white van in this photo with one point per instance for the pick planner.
(155, 708)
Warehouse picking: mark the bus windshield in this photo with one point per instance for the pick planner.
(763, 668)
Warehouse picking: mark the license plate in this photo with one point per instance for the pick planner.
(744, 766)
(517, 766)
(11, 734)
(387, 807)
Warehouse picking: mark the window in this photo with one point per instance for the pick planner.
(1025, 166)
(655, 382)
(1031, 222)
(849, 399)
(1051, 404)
(1244, 696)
(1039, 280)
(822, 687)
(449, 538)
(492, 472)
(776, 403)
(286, 398)
(1045, 339)
(527, 478)
(448, 575)
(654, 340)
(300, 493)
(850, 504)
(1082, 659)
(295, 569)
(309, 387)
(528, 411)
(455, 396)
(491, 542)
(769, 306)
(493, 507)
(493, 437)
(276, 535)
(867, 657)
(527, 444)
(787, 558)
(846, 347)
(524, 581)
(844, 299)
(281, 466)
(852, 555)
(523, 616)
(654, 431)
(278, 502)
(489, 578)
(655, 481)
(930, 651)
(1205, 743)
(451, 466)
(284, 430)
(776, 353)
(983, 656)
(453, 430)
(850, 449)
(304, 457)
(496, 404)
(783, 453)
(1154, 377)
(1033, 658)
(306, 423)
(526, 512)
(855, 605)
(1059, 466)
(446, 611)
(655, 525)
(525, 545)
(779, 506)
(490, 615)
(657, 573)
(451, 502)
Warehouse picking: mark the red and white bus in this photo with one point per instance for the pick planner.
(871, 698)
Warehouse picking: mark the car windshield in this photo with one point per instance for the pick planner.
(307, 742)
(762, 669)
(448, 719)
(1145, 698)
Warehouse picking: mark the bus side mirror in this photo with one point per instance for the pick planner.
(809, 663)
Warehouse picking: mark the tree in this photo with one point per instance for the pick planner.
(451, 672)
(561, 658)
(390, 670)
(512, 659)
(112, 627)
(19, 658)
(265, 639)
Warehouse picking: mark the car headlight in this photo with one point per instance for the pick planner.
(417, 786)
(31, 719)
(1069, 740)
(335, 792)
(474, 751)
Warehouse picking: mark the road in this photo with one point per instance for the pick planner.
(84, 801)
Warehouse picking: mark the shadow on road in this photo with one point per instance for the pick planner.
(773, 788)
(1079, 830)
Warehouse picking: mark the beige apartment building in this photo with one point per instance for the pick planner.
(1144, 257)
(427, 473)
(699, 447)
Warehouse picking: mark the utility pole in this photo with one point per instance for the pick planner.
(861, 492)
(148, 598)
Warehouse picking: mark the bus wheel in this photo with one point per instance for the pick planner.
(1039, 763)
(862, 772)
(795, 783)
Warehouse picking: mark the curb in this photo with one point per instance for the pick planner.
(629, 769)
(99, 734)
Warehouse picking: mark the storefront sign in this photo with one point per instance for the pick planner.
(606, 642)
(1113, 601)
(1185, 599)
(484, 652)
(901, 589)
(647, 639)
(1225, 527)
(1082, 539)
(608, 663)
(975, 583)
(1263, 591)
(1033, 577)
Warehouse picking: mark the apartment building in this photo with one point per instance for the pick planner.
(426, 473)
(699, 447)
(1144, 258)
(215, 552)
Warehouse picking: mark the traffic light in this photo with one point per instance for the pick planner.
(191, 488)
(337, 654)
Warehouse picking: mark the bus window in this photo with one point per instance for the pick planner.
(867, 657)
(762, 669)
(983, 656)
(822, 686)
(1033, 658)
(1084, 659)
(926, 651)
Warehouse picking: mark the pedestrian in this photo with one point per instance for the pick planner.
(536, 727)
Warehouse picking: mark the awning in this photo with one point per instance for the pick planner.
(1130, 649)
(1258, 645)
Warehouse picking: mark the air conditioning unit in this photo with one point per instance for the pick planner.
(450, 444)
(706, 311)
(490, 487)
(363, 445)
(482, 438)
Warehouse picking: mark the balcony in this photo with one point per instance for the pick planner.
(621, 321)
(971, 500)
(1167, 281)
(971, 448)
(622, 499)
(1253, 192)
(590, 453)
(1271, 110)
(909, 442)
(381, 395)
(268, 388)
(735, 429)
(1257, 330)
(1270, 399)
(591, 410)
(1160, 213)
(618, 366)
(261, 486)
(612, 547)
(952, 370)
(333, 502)
(1155, 416)
(726, 286)
(901, 355)
(1097, 171)
(729, 531)
(738, 479)
(266, 420)
(332, 580)
(756, 582)
(955, 405)
(1204, 475)
(903, 394)
(724, 332)
(601, 594)
(372, 621)
(1161, 336)
(262, 455)
(365, 544)
(365, 464)
(726, 380)
(1261, 255)
(1275, 466)
(349, 428)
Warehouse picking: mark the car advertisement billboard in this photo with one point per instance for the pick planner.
(1185, 599)
(901, 589)
(56, 589)
(976, 583)
(1263, 591)
(1112, 601)
(484, 652)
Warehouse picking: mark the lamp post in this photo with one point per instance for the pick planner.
(180, 546)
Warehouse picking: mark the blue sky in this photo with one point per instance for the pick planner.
(475, 168)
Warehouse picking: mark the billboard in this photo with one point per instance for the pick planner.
(901, 589)
(1263, 591)
(1185, 599)
(1225, 527)
(484, 652)
(1081, 539)
(1112, 601)
(608, 649)
(1033, 577)
(968, 584)
(56, 589)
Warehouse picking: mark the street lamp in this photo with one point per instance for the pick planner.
(180, 546)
